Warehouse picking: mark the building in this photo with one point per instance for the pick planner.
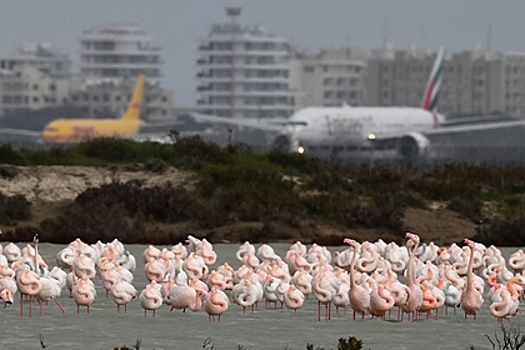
(121, 51)
(35, 76)
(112, 58)
(243, 72)
(106, 99)
(329, 78)
(43, 56)
(475, 82)
(397, 78)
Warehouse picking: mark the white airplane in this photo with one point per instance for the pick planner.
(364, 132)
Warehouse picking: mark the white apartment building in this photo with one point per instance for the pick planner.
(41, 55)
(475, 82)
(243, 72)
(111, 99)
(112, 58)
(331, 77)
(119, 51)
(33, 77)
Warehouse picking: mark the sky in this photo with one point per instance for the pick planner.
(176, 26)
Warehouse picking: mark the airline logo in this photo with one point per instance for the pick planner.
(432, 90)
(81, 133)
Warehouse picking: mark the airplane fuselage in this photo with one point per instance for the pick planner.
(354, 128)
(74, 131)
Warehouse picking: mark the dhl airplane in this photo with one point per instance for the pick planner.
(362, 132)
(78, 130)
(70, 131)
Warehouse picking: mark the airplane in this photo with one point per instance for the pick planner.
(72, 131)
(362, 133)
(69, 131)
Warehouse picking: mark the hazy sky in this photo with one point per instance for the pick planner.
(175, 25)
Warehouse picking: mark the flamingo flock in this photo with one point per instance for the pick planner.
(371, 279)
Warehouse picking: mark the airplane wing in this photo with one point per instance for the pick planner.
(158, 126)
(505, 134)
(20, 137)
(273, 125)
(20, 132)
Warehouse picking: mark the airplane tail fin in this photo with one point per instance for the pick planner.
(434, 82)
(133, 112)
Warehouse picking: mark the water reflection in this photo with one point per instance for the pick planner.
(104, 328)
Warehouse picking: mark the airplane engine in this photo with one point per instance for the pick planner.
(412, 145)
(287, 143)
(282, 143)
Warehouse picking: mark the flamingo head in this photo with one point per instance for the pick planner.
(468, 242)
(6, 296)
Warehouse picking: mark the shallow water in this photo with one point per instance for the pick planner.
(104, 328)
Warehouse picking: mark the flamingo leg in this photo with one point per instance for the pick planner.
(31, 306)
(21, 305)
(59, 305)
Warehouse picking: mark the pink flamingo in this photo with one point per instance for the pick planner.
(50, 290)
(151, 297)
(28, 283)
(8, 290)
(216, 303)
(293, 298)
(324, 290)
(381, 301)
(123, 293)
(359, 295)
(155, 270)
(471, 299)
(415, 298)
(183, 297)
(84, 293)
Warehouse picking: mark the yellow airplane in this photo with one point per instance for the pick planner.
(78, 130)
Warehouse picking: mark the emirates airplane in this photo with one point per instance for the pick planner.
(364, 132)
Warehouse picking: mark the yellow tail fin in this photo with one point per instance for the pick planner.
(133, 112)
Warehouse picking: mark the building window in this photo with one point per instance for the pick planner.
(328, 81)
(309, 69)
(35, 87)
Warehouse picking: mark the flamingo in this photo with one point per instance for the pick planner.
(12, 252)
(302, 280)
(244, 250)
(359, 296)
(51, 289)
(28, 283)
(84, 293)
(155, 270)
(216, 303)
(293, 298)
(471, 299)
(123, 293)
(8, 290)
(324, 290)
(183, 297)
(381, 301)
(415, 294)
(151, 297)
